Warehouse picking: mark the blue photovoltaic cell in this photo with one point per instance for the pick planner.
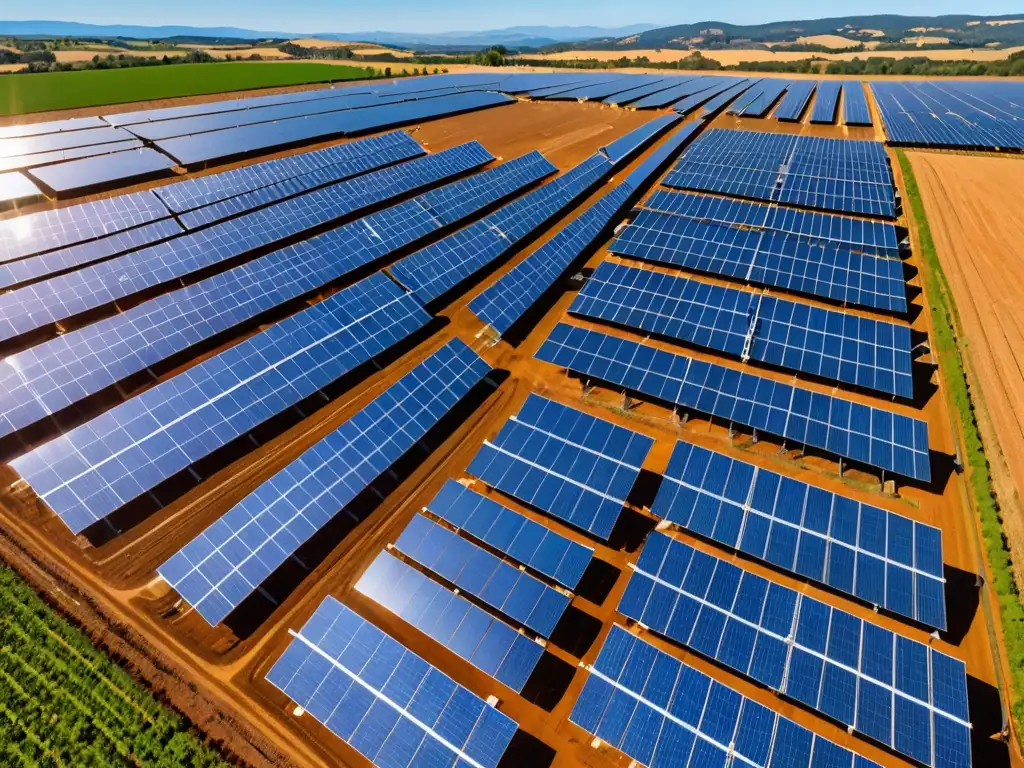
(833, 345)
(795, 101)
(50, 142)
(53, 126)
(644, 173)
(508, 299)
(830, 174)
(878, 556)
(500, 585)
(77, 176)
(948, 113)
(758, 100)
(516, 535)
(624, 147)
(217, 145)
(195, 193)
(875, 238)
(871, 436)
(87, 473)
(65, 296)
(826, 102)
(49, 377)
(383, 700)
(24, 162)
(893, 689)
(683, 88)
(855, 104)
(15, 188)
(460, 626)
(770, 257)
(665, 714)
(721, 99)
(569, 464)
(638, 92)
(230, 559)
(46, 230)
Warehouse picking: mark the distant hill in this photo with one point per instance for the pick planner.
(513, 37)
(879, 30)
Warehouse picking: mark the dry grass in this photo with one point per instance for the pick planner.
(829, 41)
(737, 56)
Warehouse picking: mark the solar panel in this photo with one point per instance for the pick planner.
(15, 188)
(500, 585)
(826, 102)
(624, 147)
(752, 326)
(569, 464)
(653, 164)
(49, 377)
(43, 231)
(23, 162)
(225, 564)
(903, 693)
(683, 87)
(883, 558)
(516, 535)
(438, 268)
(77, 176)
(609, 88)
(759, 100)
(636, 93)
(875, 238)
(219, 145)
(382, 699)
(53, 126)
(508, 299)
(663, 713)
(831, 174)
(62, 297)
(721, 99)
(795, 101)
(460, 626)
(30, 145)
(91, 471)
(771, 258)
(193, 193)
(871, 436)
(855, 104)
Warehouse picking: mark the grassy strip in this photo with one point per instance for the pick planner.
(945, 321)
(20, 94)
(63, 702)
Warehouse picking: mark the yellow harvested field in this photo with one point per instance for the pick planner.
(926, 40)
(737, 56)
(69, 57)
(1003, 23)
(872, 32)
(11, 67)
(266, 53)
(829, 41)
(316, 42)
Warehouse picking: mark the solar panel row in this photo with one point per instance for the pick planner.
(794, 103)
(827, 101)
(624, 147)
(871, 436)
(51, 376)
(516, 535)
(883, 558)
(724, 98)
(53, 126)
(896, 690)
(222, 566)
(91, 471)
(16, 189)
(767, 257)
(59, 298)
(665, 714)
(656, 161)
(855, 105)
(569, 464)
(831, 174)
(876, 238)
(75, 177)
(473, 569)
(51, 142)
(460, 626)
(752, 326)
(383, 700)
(757, 101)
(640, 91)
(682, 88)
(25, 162)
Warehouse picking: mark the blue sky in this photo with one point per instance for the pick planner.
(449, 15)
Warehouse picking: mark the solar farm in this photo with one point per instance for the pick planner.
(531, 419)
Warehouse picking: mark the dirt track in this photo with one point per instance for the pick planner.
(230, 661)
(977, 221)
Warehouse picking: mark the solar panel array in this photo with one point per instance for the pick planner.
(91, 471)
(855, 105)
(767, 257)
(722, 99)
(795, 101)
(663, 713)
(869, 435)
(757, 101)
(460, 626)
(684, 87)
(59, 298)
(947, 113)
(624, 147)
(898, 691)
(76, 177)
(653, 164)
(222, 566)
(25, 162)
(878, 556)
(838, 346)
(827, 101)
(830, 174)
(383, 700)
(519, 537)
(476, 571)
(569, 464)
(869, 236)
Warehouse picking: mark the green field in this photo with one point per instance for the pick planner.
(21, 94)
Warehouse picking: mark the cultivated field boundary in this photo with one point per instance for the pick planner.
(945, 325)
